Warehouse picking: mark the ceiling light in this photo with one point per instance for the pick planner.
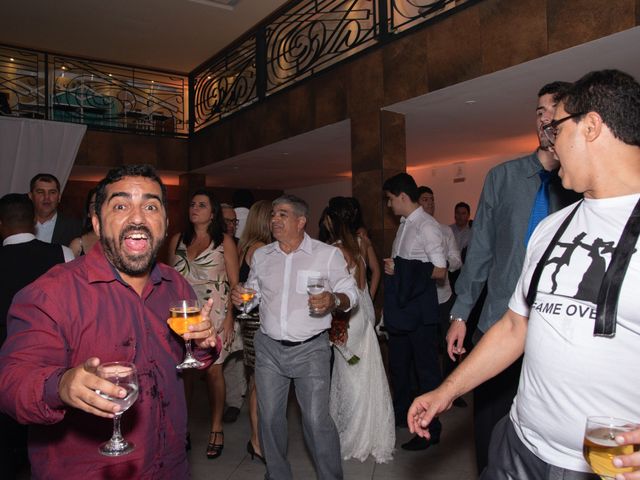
(470, 102)
(223, 4)
(11, 59)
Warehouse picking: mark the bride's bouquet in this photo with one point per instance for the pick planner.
(338, 335)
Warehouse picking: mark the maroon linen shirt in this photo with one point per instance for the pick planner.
(84, 309)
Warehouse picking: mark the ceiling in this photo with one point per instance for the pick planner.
(173, 35)
(490, 117)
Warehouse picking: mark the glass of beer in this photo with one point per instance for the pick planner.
(247, 295)
(600, 446)
(124, 375)
(183, 313)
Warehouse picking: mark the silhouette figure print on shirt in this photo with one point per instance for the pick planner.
(589, 286)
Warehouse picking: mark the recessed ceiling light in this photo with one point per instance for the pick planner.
(224, 4)
(470, 102)
(11, 59)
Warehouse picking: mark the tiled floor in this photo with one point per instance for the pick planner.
(452, 459)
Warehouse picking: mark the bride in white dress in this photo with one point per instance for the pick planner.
(360, 401)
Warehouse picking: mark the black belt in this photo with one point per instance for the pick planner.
(287, 343)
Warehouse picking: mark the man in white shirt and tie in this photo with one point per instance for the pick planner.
(293, 343)
(413, 325)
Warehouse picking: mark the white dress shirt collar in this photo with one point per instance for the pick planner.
(18, 238)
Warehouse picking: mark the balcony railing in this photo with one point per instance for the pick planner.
(98, 94)
(300, 40)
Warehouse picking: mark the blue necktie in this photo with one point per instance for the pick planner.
(540, 206)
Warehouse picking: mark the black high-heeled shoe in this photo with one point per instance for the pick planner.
(214, 450)
(252, 452)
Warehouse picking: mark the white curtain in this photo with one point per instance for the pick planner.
(28, 147)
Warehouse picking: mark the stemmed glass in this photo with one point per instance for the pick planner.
(183, 313)
(247, 295)
(315, 286)
(600, 446)
(124, 375)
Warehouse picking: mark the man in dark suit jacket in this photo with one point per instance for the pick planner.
(51, 226)
(23, 259)
(411, 302)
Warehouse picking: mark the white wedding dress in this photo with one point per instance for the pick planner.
(360, 402)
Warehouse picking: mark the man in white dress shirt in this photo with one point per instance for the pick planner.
(292, 343)
(413, 342)
(443, 287)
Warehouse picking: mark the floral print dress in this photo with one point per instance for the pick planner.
(207, 275)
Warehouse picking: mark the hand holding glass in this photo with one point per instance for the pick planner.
(600, 446)
(246, 295)
(124, 375)
(183, 313)
(315, 286)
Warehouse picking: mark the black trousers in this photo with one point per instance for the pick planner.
(420, 349)
(491, 401)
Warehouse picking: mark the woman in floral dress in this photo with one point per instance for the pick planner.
(207, 257)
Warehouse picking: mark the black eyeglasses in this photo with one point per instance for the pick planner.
(551, 129)
(232, 221)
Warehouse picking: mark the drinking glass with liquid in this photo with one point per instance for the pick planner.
(600, 446)
(315, 286)
(124, 375)
(183, 313)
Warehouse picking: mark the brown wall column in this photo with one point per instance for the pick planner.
(378, 151)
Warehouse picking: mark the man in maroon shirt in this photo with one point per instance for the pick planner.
(109, 305)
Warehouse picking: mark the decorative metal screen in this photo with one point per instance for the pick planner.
(101, 95)
(313, 35)
(225, 86)
(22, 83)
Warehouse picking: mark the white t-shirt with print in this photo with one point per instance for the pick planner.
(568, 373)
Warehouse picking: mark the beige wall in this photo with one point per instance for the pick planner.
(317, 196)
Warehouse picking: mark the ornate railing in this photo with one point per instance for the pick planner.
(101, 95)
(299, 41)
(303, 38)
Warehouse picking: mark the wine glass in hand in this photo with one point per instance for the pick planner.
(246, 295)
(183, 313)
(124, 375)
(315, 286)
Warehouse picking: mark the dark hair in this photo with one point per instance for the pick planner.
(402, 183)
(216, 228)
(116, 174)
(423, 189)
(462, 205)
(16, 210)
(612, 94)
(88, 224)
(337, 229)
(44, 177)
(242, 198)
(557, 89)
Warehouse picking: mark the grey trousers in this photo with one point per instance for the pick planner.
(510, 459)
(308, 366)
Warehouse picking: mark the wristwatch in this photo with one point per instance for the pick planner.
(456, 319)
(336, 301)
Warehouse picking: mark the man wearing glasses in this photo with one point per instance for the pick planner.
(575, 320)
(516, 196)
